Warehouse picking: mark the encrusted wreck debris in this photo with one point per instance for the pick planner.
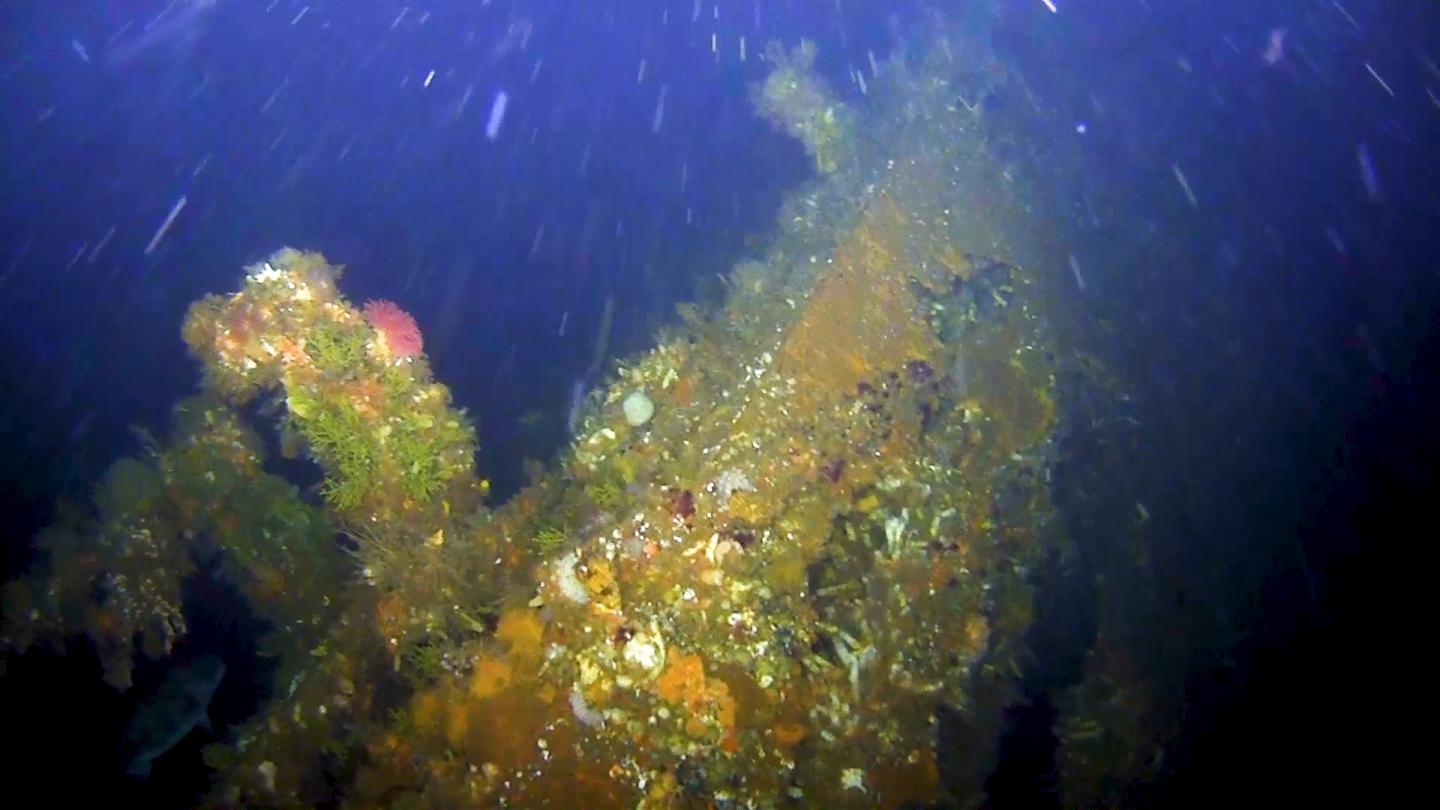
(764, 592)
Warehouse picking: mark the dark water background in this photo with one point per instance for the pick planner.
(1278, 332)
(1282, 333)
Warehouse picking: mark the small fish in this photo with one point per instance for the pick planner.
(179, 705)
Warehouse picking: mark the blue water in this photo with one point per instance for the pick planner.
(1247, 193)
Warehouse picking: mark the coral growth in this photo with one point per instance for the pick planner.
(384, 434)
(399, 330)
(797, 100)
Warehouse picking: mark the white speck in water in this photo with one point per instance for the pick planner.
(165, 226)
(497, 115)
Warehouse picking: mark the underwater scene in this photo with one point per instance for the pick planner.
(715, 403)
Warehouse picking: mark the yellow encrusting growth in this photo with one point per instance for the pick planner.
(864, 318)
